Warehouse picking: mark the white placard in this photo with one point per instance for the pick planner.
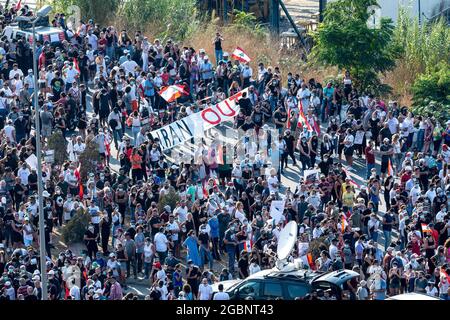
(276, 210)
(311, 176)
(54, 37)
(359, 136)
(32, 161)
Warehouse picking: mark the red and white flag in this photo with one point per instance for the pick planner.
(288, 122)
(240, 55)
(75, 65)
(426, 228)
(344, 223)
(248, 245)
(390, 171)
(302, 121)
(173, 92)
(18, 5)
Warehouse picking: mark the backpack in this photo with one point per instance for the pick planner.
(113, 123)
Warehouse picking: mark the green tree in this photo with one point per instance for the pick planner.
(57, 143)
(345, 40)
(99, 10)
(89, 160)
(431, 93)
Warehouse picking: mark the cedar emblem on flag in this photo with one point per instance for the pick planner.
(240, 55)
(171, 93)
(302, 122)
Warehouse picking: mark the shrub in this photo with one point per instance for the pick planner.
(57, 143)
(88, 160)
(74, 230)
(431, 93)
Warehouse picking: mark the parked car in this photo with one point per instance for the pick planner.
(54, 36)
(412, 296)
(275, 284)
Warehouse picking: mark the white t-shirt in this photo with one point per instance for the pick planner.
(205, 291)
(173, 227)
(271, 181)
(221, 296)
(161, 242)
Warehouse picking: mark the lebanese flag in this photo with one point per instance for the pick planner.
(75, 65)
(311, 263)
(316, 127)
(426, 228)
(205, 191)
(444, 274)
(77, 172)
(171, 93)
(248, 245)
(288, 123)
(107, 146)
(18, 5)
(302, 122)
(240, 55)
(81, 191)
(344, 223)
(390, 171)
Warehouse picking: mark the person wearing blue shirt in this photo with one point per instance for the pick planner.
(213, 223)
(328, 93)
(380, 292)
(149, 89)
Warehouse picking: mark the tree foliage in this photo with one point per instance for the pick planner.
(99, 10)
(431, 93)
(89, 160)
(57, 143)
(345, 40)
(74, 230)
(170, 199)
(168, 18)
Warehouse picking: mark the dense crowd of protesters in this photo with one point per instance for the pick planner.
(392, 228)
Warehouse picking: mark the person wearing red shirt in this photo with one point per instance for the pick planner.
(370, 158)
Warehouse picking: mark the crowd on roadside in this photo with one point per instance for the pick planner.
(101, 87)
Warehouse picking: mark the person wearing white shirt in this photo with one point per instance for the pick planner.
(221, 295)
(75, 292)
(333, 250)
(129, 66)
(205, 291)
(14, 71)
(304, 94)
(415, 192)
(252, 268)
(23, 173)
(161, 242)
(92, 40)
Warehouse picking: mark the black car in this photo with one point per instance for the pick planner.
(274, 284)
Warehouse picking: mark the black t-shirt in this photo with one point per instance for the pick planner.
(243, 266)
(289, 141)
(389, 218)
(385, 148)
(204, 238)
(280, 117)
(218, 44)
(246, 106)
(155, 220)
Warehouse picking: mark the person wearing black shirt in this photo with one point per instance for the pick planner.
(245, 104)
(248, 124)
(243, 265)
(290, 145)
(386, 151)
(280, 118)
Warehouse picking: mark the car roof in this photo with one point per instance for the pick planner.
(40, 30)
(298, 274)
(337, 277)
(412, 296)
